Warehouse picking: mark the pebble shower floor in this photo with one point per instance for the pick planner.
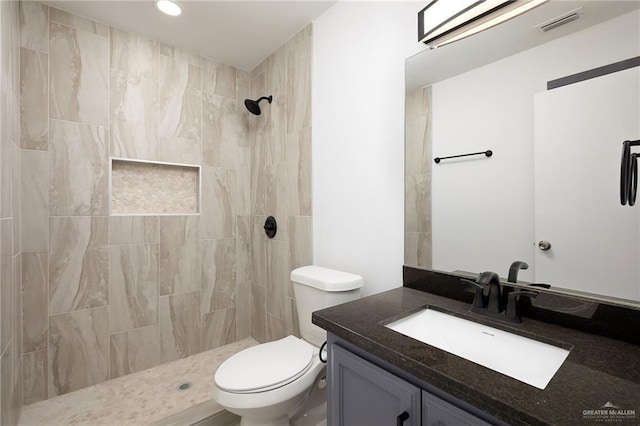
(149, 397)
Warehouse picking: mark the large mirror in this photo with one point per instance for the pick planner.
(554, 107)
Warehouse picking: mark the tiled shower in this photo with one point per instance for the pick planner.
(89, 294)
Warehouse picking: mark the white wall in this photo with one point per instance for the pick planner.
(483, 209)
(359, 50)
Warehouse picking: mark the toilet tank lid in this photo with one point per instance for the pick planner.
(326, 279)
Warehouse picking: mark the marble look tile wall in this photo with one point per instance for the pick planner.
(134, 55)
(133, 286)
(280, 186)
(11, 223)
(180, 326)
(243, 310)
(134, 107)
(221, 130)
(35, 377)
(34, 118)
(6, 278)
(417, 239)
(34, 169)
(104, 296)
(134, 350)
(219, 79)
(77, 22)
(78, 350)
(243, 181)
(244, 264)
(134, 230)
(74, 188)
(180, 111)
(298, 86)
(218, 202)
(78, 77)
(78, 263)
(277, 278)
(16, 195)
(107, 296)
(218, 328)
(258, 313)
(34, 26)
(218, 275)
(180, 254)
(35, 278)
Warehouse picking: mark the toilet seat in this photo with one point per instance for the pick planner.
(265, 367)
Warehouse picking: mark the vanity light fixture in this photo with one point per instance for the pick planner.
(442, 22)
(169, 7)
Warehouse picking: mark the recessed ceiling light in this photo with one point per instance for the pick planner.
(169, 7)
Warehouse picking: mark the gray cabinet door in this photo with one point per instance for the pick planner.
(362, 394)
(436, 412)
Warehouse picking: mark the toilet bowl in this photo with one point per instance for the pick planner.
(269, 383)
(268, 399)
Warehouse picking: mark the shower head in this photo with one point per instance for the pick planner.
(253, 106)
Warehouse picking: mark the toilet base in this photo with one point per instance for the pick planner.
(280, 421)
(290, 411)
(273, 415)
(313, 411)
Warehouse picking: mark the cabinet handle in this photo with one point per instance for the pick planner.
(401, 418)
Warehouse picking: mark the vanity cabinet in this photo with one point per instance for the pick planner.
(436, 412)
(362, 393)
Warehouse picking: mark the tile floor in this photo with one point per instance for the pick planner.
(142, 398)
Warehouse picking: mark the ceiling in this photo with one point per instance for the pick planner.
(511, 37)
(237, 33)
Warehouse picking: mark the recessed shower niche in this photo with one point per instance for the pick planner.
(141, 187)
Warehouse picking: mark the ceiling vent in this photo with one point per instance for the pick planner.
(558, 21)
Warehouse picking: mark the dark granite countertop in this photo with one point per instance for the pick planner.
(598, 369)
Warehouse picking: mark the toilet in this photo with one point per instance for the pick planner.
(269, 383)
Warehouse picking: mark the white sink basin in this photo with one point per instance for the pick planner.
(518, 357)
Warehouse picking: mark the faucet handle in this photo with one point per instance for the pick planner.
(478, 299)
(540, 285)
(471, 283)
(512, 304)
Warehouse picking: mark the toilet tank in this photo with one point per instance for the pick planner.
(317, 288)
